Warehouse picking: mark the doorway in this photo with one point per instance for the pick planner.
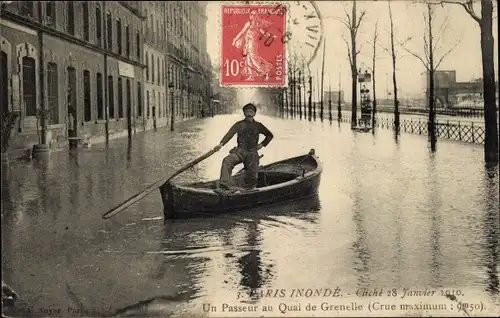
(4, 87)
(71, 103)
(129, 108)
(29, 86)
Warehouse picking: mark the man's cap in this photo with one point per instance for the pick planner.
(251, 106)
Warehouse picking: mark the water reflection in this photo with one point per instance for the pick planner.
(239, 238)
(253, 273)
(42, 166)
(129, 153)
(74, 175)
(8, 224)
(436, 221)
(492, 230)
(360, 244)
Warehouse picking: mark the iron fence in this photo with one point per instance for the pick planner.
(459, 131)
(456, 111)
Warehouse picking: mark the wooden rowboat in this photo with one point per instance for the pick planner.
(282, 181)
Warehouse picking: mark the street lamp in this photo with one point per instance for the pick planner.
(292, 97)
(172, 105)
(299, 82)
(212, 105)
(366, 110)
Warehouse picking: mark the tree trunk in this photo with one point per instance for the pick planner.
(309, 101)
(285, 110)
(394, 82)
(487, 50)
(431, 126)
(354, 70)
(374, 106)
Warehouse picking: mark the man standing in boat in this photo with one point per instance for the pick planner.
(248, 131)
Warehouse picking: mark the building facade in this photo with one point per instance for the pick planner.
(79, 60)
(155, 85)
(102, 68)
(189, 66)
(225, 99)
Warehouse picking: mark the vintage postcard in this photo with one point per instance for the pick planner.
(250, 158)
(253, 45)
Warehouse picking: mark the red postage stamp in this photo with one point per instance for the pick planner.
(253, 46)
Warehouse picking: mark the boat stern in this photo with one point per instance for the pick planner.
(166, 193)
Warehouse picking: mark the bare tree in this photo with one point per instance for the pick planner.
(431, 64)
(394, 82)
(353, 22)
(393, 53)
(374, 58)
(485, 22)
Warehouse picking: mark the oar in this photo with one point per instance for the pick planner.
(150, 188)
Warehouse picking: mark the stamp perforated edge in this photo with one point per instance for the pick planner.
(285, 45)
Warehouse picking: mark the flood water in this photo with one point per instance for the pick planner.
(387, 216)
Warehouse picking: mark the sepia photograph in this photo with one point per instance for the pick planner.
(329, 158)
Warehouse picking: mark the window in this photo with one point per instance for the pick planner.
(129, 100)
(71, 101)
(50, 13)
(178, 70)
(100, 108)
(86, 96)
(119, 35)
(27, 8)
(151, 28)
(159, 104)
(165, 106)
(139, 99)
(138, 43)
(169, 9)
(161, 42)
(4, 91)
(111, 97)
(153, 104)
(147, 25)
(158, 70)
(70, 20)
(120, 98)
(109, 31)
(52, 93)
(152, 73)
(85, 12)
(147, 104)
(157, 35)
(163, 72)
(29, 86)
(147, 66)
(170, 74)
(127, 40)
(98, 25)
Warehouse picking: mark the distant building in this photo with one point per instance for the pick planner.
(450, 93)
(333, 96)
(189, 65)
(224, 99)
(156, 111)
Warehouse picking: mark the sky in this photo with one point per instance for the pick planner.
(460, 31)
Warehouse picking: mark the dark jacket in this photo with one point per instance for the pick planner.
(248, 134)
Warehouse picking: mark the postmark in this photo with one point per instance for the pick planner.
(304, 33)
(252, 50)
